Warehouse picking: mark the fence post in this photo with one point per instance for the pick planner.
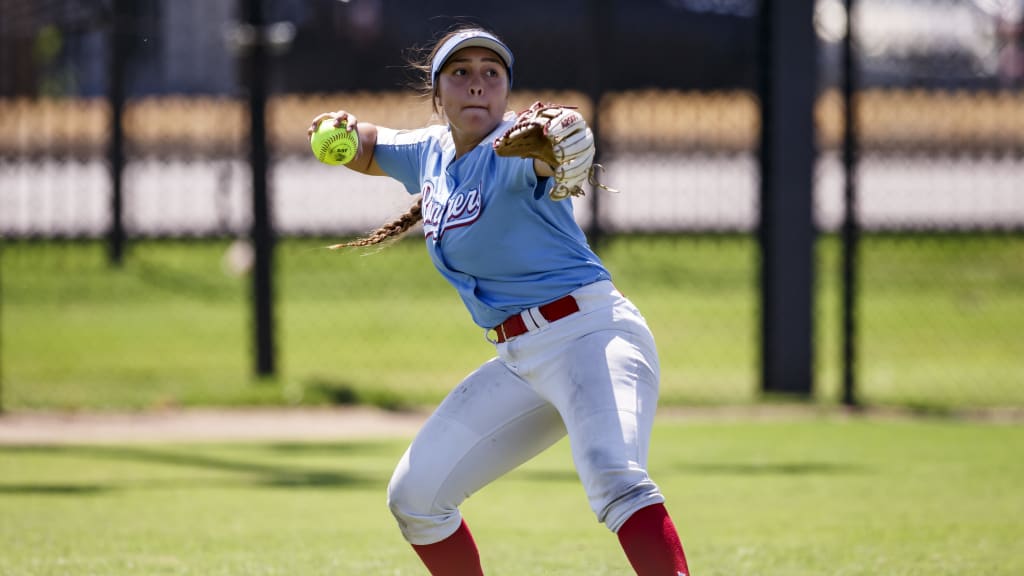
(851, 228)
(601, 31)
(787, 86)
(118, 54)
(262, 234)
(1, 327)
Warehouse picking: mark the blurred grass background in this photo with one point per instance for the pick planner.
(940, 323)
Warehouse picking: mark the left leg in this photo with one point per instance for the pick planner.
(601, 371)
(610, 436)
(651, 543)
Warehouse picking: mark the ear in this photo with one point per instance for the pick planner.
(436, 100)
(438, 111)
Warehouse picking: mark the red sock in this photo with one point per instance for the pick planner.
(456, 555)
(651, 543)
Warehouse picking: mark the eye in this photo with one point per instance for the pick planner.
(459, 72)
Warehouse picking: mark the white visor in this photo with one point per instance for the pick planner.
(467, 39)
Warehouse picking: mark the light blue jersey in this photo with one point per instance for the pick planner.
(489, 225)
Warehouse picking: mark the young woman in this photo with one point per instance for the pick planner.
(574, 356)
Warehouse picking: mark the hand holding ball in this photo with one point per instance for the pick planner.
(334, 146)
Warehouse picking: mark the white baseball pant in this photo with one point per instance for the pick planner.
(593, 374)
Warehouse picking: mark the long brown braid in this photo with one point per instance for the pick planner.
(392, 229)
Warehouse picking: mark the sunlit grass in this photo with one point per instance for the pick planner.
(941, 322)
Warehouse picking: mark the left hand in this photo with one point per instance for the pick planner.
(557, 136)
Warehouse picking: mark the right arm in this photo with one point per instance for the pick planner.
(364, 161)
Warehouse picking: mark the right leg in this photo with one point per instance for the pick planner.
(651, 543)
(488, 425)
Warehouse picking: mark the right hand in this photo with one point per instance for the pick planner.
(364, 161)
(336, 119)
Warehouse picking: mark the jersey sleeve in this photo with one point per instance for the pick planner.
(400, 154)
(525, 177)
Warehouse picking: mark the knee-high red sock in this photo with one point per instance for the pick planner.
(651, 543)
(456, 555)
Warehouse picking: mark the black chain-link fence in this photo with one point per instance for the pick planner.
(940, 199)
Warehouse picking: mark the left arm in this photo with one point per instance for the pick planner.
(558, 141)
(542, 169)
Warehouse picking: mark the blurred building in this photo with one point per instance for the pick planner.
(60, 47)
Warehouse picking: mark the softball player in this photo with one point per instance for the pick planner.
(574, 356)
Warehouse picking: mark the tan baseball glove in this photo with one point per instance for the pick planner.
(558, 136)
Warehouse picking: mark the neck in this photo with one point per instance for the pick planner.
(463, 143)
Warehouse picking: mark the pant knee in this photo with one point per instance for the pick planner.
(618, 509)
(421, 519)
(406, 501)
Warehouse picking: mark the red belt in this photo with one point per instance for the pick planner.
(514, 326)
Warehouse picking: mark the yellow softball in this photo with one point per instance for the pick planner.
(334, 146)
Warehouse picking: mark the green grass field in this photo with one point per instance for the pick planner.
(941, 320)
(804, 498)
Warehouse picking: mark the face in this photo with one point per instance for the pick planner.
(473, 93)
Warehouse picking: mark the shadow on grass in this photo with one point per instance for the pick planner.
(712, 469)
(568, 475)
(249, 472)
(338, 448)
(341, 393)
(52, 489)
(770, 469)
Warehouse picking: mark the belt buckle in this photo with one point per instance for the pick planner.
(499, 332)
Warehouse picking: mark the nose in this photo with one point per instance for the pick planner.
(476, 85)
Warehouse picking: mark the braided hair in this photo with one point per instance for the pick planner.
(392, 229)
